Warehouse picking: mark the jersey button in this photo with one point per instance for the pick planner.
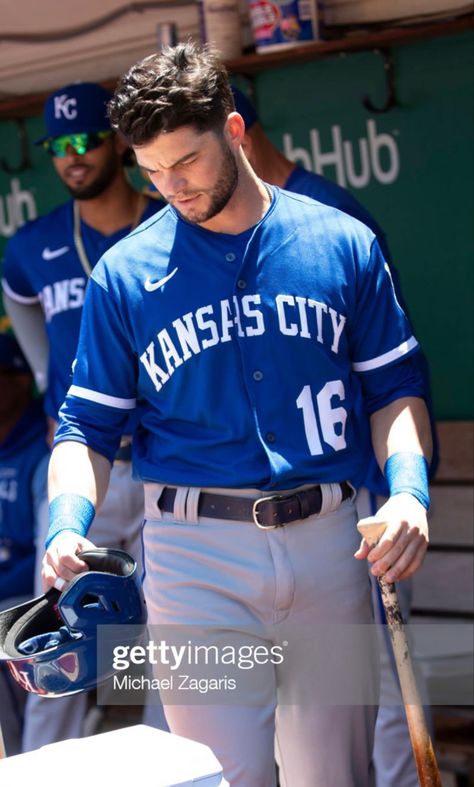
(257, 375)
(230, 257)
(241, 284)
(270, 437)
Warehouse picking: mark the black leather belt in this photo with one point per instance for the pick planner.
(267, 512)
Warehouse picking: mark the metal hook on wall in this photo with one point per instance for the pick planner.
(25, 161)
(389, 69)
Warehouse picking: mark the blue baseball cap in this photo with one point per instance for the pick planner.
(11, 356)
(244, 107)
(75, 109)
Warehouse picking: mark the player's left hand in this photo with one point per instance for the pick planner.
(401, 549)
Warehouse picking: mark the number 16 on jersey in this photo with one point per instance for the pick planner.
(322, 421)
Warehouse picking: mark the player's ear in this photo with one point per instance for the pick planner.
(234, 129)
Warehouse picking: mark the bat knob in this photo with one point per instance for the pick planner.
(371, 529)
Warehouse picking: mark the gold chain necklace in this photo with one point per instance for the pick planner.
(78, 243)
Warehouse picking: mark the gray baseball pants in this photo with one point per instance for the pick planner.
(301, 582)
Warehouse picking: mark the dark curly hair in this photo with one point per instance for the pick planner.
(179, 86)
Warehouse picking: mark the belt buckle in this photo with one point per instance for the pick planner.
(255, 511)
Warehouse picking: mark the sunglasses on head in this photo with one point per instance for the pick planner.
(80, 143)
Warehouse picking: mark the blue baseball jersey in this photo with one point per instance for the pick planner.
(248, 353)
(328, 192)
(20, 454)
(42, 265)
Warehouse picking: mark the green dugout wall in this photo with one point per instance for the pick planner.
(411, 166)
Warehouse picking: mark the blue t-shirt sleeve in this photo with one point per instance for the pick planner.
(382, 386)
(15, 279)
(383, 348)
(103, 390)
(381, 333)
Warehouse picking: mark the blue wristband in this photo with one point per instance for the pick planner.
(69, 512)
(408, 472)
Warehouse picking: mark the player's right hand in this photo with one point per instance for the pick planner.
(60, 562)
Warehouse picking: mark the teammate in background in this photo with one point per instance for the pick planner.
(247, 321)
(393, 755)
(46, 270)
(22, 448)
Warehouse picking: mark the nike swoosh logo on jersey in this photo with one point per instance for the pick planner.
(51, 254)
(151, 286)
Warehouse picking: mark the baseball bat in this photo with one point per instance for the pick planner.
(372, 529)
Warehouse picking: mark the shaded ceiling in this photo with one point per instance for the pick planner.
(47, 43)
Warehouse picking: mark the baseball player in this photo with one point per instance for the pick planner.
(45, 274)
(22, 447)
(247, 322)
(393, 755)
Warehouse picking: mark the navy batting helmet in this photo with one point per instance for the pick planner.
(50, 642)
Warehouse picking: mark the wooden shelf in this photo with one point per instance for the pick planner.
(355, 41)
(25, 106)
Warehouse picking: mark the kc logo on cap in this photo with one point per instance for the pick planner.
(66, 106)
